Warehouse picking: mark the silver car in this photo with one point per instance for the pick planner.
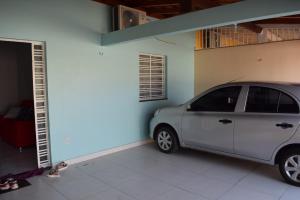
(250, 120)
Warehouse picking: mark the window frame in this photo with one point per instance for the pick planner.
(214, 90)
(280, 92)
(163, 75)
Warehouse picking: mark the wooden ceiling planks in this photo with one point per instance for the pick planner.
(168, 8)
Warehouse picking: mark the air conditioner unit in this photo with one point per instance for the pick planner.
(125, 17)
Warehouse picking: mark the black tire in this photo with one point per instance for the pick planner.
(174, 144)
(283, 162)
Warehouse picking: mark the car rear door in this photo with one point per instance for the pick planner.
(271, 117)
(209, 123)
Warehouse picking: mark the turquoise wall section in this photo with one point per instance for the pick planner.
(93, 90)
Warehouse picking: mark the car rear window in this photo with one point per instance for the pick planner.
(287, 104)
(267, 100)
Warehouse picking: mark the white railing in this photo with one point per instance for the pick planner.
(230, 36)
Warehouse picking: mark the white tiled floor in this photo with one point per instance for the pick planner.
(13, 161)
(143, 173)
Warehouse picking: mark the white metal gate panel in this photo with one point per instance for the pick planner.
(40, 104)
(230, 36)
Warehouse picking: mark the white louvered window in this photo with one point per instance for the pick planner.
(152, 77)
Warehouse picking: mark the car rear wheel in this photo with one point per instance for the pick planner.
(289, 166)
(166, 140)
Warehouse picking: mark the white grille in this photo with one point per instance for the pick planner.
(152, 77)
(230, 36)
(40, 103)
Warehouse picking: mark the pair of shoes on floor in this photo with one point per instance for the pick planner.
(54, 172)
(9, 183)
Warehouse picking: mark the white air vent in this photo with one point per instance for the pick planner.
(125, 17)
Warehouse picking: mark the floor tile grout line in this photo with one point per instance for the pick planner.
(258, 191)
(255, 170)
(281, 196)
(64, 196)
(159, 180)
(263, 192)
(67, 198)
(196, 194)
(181, 188)
(93, 178)
(110, 185)
(235, 184)
(114, 162)
(239, 179)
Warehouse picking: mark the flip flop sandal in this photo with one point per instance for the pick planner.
(53, 173)
(13, 184)
(61, 166)
(4, 186)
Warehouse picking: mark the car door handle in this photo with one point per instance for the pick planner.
(285, 125)
(225, 121)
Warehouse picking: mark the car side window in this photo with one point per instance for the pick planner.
(262, 100)
(220, 100)
(267, 100)
(287, 104)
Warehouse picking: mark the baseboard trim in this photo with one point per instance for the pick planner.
(107, 152)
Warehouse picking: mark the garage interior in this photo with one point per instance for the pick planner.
(99, 108)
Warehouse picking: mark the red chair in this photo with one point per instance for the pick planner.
(19, 133)
(27, 103)
(1, 119)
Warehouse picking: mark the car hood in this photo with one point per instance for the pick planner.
(171, 110)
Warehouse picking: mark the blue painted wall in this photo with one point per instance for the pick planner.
(94, 99)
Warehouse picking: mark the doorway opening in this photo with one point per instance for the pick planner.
(24, 139)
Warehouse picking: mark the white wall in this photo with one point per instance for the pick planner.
(15, 74)
(279, 61)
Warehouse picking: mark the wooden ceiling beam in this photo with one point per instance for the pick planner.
(145, 4)
(203, 4)
(112, 2)
(281, 20)
(186, 6)
(157, 16)
(164, 10)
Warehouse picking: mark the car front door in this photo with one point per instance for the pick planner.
(209, 122)
(270, 118)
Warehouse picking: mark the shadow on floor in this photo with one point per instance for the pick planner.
(13, 161)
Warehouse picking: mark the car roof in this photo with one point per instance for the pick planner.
(265, 83)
